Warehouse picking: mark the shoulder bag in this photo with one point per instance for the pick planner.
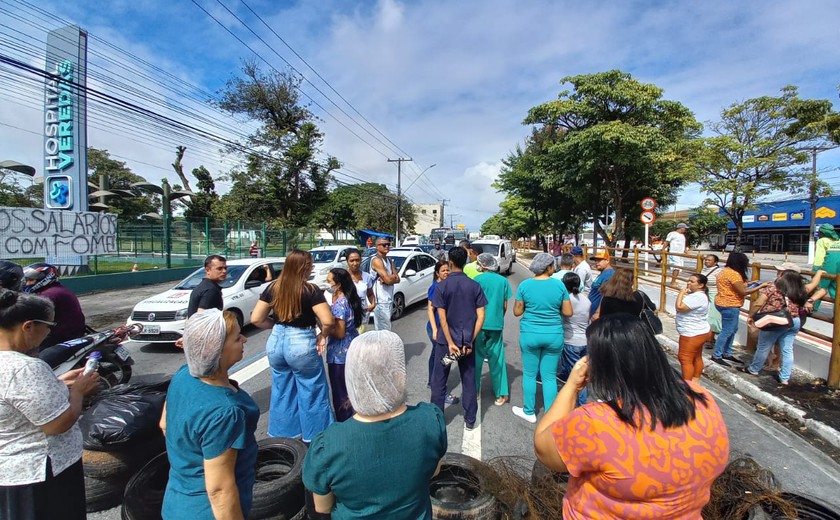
(648, 314)
(773, 320)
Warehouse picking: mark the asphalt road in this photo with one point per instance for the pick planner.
(799, 466)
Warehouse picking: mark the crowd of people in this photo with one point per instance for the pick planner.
(341, 389)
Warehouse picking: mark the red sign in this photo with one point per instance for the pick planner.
(648, 204)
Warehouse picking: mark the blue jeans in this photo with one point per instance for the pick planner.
(300, 397)
(540, 353)
(729, 317)
(571, 355)
(766, 339)
(382, 316)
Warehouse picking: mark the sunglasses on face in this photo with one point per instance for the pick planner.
(384, 245)
(49, 324)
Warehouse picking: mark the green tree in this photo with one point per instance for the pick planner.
(704, 222)
(615, 142)
(120, 177)
(281, 161)
(13, 194)
(512, 221)
(758, 147)
(205, 200)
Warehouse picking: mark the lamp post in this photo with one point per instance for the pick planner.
(167, 196)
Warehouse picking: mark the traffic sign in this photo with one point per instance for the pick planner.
(647, 217)
(648, 204)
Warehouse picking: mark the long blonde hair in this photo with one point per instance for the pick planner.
(286, 292)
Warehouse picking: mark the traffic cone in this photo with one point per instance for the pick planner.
(134, 268)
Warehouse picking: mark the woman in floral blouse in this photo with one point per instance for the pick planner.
(347, 309)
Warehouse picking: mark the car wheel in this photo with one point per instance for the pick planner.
(398, 307)
(510, 267)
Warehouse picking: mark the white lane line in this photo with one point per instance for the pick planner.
(250, 371)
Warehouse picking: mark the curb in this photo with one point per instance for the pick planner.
(821, 430)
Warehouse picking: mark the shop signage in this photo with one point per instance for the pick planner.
(763, 218)
(779, 217)
(748, 219)
(797, 216)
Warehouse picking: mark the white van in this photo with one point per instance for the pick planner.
(501, 249)
(411, 240)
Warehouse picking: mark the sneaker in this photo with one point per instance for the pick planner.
(520, 412)
(720, 361)
(733, 358)
(451, 399)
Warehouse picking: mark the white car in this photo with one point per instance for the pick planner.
(325, 258)
(501, 249)
(164, 314)
(417, 272)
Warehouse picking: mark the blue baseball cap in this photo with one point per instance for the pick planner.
(577, 251)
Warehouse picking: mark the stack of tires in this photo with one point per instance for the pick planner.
(108, 472)
(278, 490)
(121, 433)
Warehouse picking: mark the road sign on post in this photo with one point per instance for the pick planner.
(647, 217)
(648, 204)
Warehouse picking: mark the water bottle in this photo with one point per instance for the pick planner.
(92, 363)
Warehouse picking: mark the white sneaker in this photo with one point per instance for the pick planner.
(520, 412)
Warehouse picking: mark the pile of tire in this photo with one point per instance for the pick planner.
(108, 472)
(278, 490)
(460, 490)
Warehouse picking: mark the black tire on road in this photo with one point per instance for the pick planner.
(122, 463)
(510, 267)
(398, 306)
(103, 493)
(143, 498)
(278, 490)
(459, 491)
(114, 373)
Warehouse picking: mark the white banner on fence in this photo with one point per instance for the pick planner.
(36, 233)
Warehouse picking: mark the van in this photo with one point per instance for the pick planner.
(243, 237)
(502, 250)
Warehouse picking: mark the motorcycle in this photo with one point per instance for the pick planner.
(115, 363)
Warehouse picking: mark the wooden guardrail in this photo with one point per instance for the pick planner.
(640, 260)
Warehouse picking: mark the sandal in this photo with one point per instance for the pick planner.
(746, 371)
(501, 401)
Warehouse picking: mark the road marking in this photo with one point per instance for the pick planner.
(250, 371)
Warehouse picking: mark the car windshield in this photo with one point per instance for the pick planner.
(398, 262)
(493, 249)
(233, 274)
(323, 256)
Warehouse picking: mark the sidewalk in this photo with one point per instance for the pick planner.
(806, 406)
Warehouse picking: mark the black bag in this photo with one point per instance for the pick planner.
(648, 314)
(122, 415)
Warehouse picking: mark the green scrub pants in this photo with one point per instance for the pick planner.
(489, 345)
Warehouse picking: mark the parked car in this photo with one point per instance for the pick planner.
(164, 314)
(325, 258)
(407, 248)
(502, 250)
(417, 272)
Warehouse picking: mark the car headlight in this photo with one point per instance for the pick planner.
(181, 315)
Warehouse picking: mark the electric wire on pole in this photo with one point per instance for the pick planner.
(399, 195)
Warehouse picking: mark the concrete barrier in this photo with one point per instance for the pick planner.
(116, 281)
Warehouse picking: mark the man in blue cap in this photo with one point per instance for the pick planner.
(582, 269)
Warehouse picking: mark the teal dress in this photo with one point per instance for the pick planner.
(379, 470)
(202, 422)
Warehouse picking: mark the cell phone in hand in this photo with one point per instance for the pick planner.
(753, 285)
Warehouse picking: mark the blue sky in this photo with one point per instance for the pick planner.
(447, 82)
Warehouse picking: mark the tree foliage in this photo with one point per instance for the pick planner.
(205, 201)
(364, 206)
(758, 147)
(15, 195)
(282, 181)
(513, 221)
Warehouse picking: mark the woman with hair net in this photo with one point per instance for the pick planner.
(209, 423)
(379, 463)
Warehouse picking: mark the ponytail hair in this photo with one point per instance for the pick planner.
(17, 308)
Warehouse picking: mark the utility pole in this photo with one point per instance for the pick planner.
(813, 199)
(442, 209)
(399, 195)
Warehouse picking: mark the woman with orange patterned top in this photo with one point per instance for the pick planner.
(652, 443)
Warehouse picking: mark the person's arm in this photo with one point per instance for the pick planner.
(563, 404)
(680, 306)
(430, 311)
(597, 313)
(480, 314)
(220, 483)
(444, 325)
(259, 316)
(759, 303)
(371, 297)
(819, 293)
(566, 309)
(815, 282)
(379, 267)
(84, 385)
(339, 329)
(162, 422)
(324, 503)
(518, 308)
(326, 322)
(504, 308)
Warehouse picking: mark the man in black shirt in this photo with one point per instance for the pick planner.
(208, 294)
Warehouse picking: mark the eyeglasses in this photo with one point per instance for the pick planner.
(49, 324)
(384, 245)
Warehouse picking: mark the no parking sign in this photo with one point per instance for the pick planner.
(647, 217)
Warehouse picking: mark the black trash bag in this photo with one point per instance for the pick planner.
(123, 415)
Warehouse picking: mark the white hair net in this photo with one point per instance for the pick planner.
(375, 373)
(204, 339)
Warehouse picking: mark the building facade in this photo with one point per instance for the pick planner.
(429, 216)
